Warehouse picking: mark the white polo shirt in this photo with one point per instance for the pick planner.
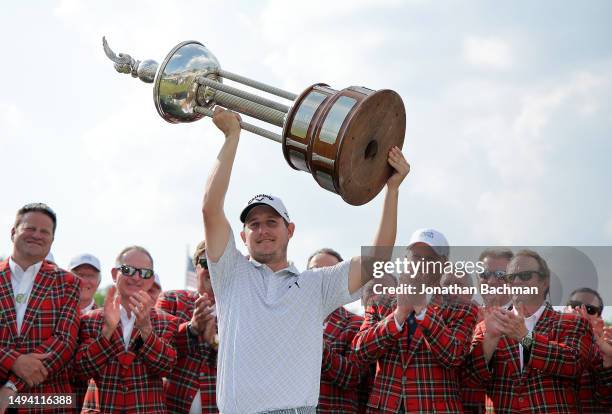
(270, 334)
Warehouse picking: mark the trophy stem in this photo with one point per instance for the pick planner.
(257, 85)
(244, 125)
(244, 106)
(202, 80)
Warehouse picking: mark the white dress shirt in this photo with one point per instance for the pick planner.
(127, 325)
(22, 282)
(530, 323)
(88, 307)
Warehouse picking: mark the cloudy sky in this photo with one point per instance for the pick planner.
(508, 120)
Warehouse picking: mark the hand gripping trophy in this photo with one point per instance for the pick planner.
(341, 137)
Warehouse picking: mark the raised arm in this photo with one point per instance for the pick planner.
(216, 226)
(387, 229)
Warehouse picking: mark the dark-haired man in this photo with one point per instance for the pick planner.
(191, 386)
(596, 381)
(340, 371)
(274, 363)
(39, 307)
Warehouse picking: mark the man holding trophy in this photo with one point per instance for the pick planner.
(272, 363)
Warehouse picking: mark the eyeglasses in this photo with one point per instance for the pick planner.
(127, 270)
(524, 276)
(591, 309)
(203, 263)
(499, 274)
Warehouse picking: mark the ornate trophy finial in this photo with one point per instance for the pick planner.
(124, 63)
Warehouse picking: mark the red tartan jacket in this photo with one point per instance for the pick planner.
(79, 385)
(473, 395)
(340, 370)
(549, 382)
(424, 374)
(50, 325)
(596, 385)
(196, 366)
(127, 380)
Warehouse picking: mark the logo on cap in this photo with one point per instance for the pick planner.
(260, 197)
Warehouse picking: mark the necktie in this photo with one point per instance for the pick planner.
(412, 324)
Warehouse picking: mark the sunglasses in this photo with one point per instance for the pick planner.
(203, 263)
(524, 276)
(591, 309)
(127, 270)
(499, 274)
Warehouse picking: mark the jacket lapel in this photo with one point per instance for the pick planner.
(7, 305)
(42, 281)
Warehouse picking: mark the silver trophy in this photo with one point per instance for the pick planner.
(340, 137)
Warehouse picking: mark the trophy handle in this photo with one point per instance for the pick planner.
(244, 125)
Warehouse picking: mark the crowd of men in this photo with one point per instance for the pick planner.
(259, 336)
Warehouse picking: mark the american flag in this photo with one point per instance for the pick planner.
(190, 275)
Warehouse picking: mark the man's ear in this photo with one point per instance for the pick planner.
(243, 236)
(290, 229)
(114, 274)
(13, 230)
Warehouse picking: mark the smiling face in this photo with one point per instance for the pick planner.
(32, 237)
(90, 280)
(128, 285)
(522, 264)
(266, 235)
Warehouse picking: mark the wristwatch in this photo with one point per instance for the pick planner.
(11, 386)
(527, 340)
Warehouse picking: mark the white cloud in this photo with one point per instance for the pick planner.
(488, 52)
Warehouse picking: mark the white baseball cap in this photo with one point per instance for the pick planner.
(85, 258)
(269, 200)
(432, 238)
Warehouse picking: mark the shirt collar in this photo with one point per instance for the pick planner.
(291, 269)
(89, 307)
(16, 268)
(123, 314)
(533, 319)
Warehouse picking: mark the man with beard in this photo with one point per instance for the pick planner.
(40, 319)
(274, 364)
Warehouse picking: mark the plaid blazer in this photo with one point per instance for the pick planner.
(196, 366)
(422, 374)
(550, 381)
(473, 395)
(129, 381)
(50, 325)
(340, 370)
(79, 385)
(596, 385)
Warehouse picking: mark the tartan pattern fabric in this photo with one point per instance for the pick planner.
(50, 325)
(79, 385)
(196, 365)
(340, 371)
(549, 382)
(127, 381)
(423, 374)
(473, 395)
(595, 393)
